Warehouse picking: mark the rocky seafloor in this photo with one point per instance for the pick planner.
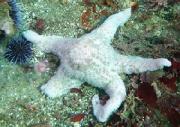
(153, 98)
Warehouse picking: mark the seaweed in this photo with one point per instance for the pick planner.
(153, 31)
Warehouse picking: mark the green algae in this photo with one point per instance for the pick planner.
(5, 18)
(21, 102)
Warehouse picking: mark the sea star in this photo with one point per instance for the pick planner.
(92, 59)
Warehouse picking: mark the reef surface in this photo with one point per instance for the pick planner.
(153, 31)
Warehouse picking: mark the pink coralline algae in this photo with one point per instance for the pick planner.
(41, 66)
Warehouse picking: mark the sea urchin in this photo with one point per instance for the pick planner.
(19, 50)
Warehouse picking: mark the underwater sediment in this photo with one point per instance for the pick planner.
(153, 31)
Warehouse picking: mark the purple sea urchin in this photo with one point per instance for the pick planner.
(19, 50)
(15, 13)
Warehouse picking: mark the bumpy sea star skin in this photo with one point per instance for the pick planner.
(92, 59)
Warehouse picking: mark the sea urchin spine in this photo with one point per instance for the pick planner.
(19, 50)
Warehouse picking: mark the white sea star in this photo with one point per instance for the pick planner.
(92, 59)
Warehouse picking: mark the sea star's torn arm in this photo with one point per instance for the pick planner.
(47, 43)
(135, 64)
(117, 93)
(107, 30)
(59, 84)
(112, 84)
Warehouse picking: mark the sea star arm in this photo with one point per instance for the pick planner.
(47, 43)
(60, 84)
(107, 30)
(112, 84)
(117, 93)
(136, 64)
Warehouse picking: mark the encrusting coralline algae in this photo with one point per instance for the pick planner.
(148, 33)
